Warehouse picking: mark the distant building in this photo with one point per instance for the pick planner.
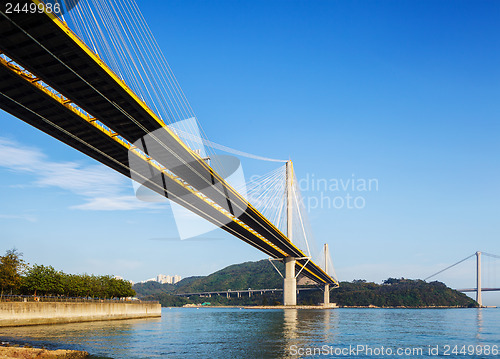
(164, 279)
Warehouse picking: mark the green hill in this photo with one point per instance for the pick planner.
(255, 275)
(399, 293)
(261, 275)
(153, 288)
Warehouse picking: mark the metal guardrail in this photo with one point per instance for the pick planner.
(32, 298)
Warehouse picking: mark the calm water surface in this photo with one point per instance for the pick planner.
(247, 333)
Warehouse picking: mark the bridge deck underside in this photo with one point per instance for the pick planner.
(47, 49)
(23, 100)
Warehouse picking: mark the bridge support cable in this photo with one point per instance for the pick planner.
(280, 201)
(269, 194)
(479, 285)
(118, 31)
(216, 146)
(304, 236)
(272, 260)
(493, 269)
(479, 276)
(491, 255)
(69, 60)
(453, 265)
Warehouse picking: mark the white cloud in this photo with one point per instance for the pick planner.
(101, 187)
(23, 217)
(117, 203)
(13, 156)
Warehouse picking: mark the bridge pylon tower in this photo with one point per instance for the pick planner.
(479, 298)
(290, 280)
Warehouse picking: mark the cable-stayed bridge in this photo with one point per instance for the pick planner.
(479, 275)
(53, 80)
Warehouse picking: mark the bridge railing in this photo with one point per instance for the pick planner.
(38, 298)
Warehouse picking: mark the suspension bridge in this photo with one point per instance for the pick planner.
(96, 79)
(479, 288)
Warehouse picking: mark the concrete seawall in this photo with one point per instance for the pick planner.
(33, 313)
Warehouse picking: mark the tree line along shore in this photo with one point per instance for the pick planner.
(20, 278)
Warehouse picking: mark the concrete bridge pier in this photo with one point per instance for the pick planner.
(326, 295)
(290, 283)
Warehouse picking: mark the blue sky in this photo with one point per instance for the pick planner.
(405, 92)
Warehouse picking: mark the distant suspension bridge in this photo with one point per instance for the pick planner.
(479, 288)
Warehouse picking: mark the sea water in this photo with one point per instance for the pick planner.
(291, 333)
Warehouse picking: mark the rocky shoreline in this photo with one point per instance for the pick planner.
(12, 352)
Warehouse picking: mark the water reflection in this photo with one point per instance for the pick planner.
(290, 318)
(479, 323)
(328, 336)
